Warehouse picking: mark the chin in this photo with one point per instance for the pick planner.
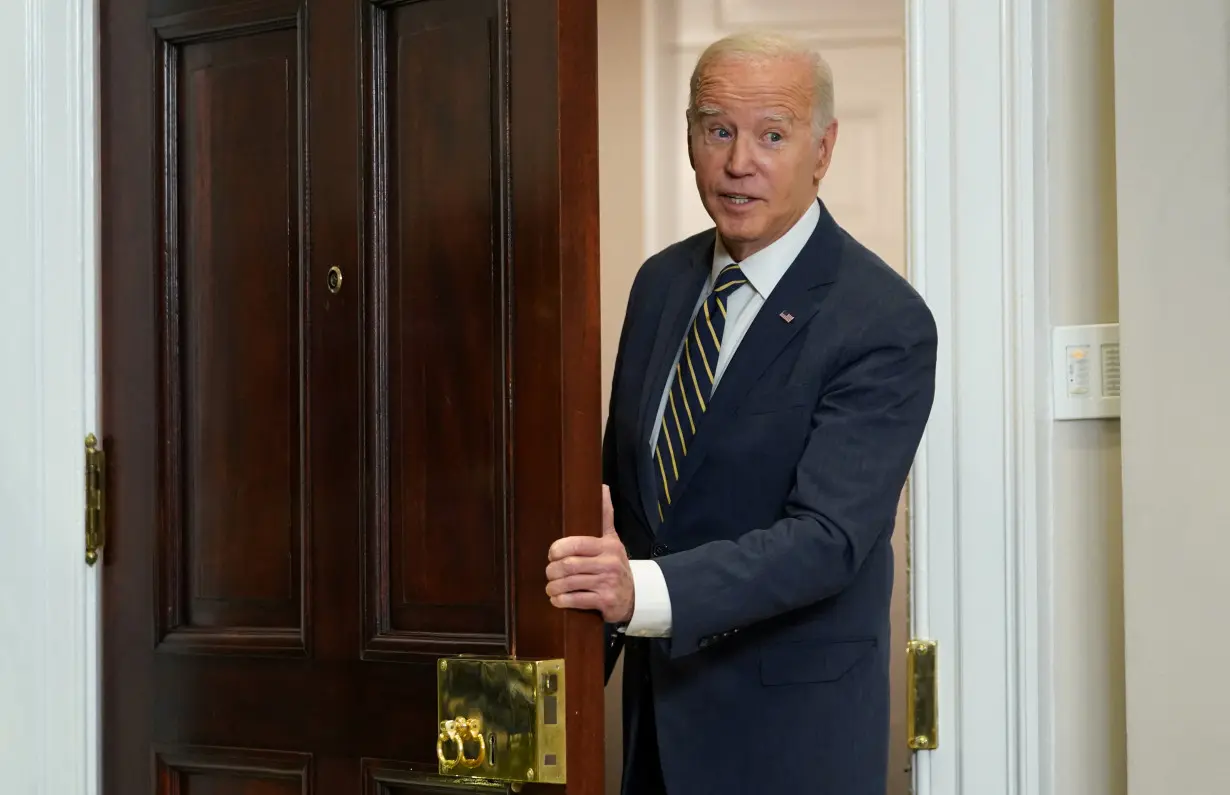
(739, 230)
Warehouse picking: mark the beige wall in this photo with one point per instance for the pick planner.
(1172, 95)
(1087, 553)
(620, 157)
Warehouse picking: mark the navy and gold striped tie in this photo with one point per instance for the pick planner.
(692, 383)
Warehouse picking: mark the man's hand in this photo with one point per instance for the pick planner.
(588, 573)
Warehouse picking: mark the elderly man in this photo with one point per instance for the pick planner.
(771, 388)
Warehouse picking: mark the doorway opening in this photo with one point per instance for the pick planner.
(648, 199)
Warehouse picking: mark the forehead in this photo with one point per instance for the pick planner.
(769, 84)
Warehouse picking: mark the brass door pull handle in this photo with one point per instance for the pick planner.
(474, 732)
(459, 731)
(445, 762)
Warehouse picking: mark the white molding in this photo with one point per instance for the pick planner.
(48, 126)
(981, 513)
(22, 547)
(933, 559)
(1025, 78)
(67, 44)
(87, 89)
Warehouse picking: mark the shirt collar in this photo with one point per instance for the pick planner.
(765, 268)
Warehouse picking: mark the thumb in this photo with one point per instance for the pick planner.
(608, 513)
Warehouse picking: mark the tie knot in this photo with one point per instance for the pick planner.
(729, 279)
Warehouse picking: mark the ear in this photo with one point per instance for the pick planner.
(824, 152)
(688, 135)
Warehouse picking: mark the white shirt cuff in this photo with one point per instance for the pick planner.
(651, 613)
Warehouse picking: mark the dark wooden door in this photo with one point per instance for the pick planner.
(350, 379)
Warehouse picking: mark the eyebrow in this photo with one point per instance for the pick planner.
(714, 110)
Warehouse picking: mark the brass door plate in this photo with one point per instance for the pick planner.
(502, 720)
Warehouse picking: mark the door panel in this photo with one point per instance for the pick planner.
(438, 336)
(394, 779)
(220, 772)
(234, 384)
(320, 485)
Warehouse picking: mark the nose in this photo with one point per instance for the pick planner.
(739, 161)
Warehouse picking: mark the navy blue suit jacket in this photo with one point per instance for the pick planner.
(776, 549)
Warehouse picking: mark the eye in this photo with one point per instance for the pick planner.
(774, 137)
(719, 132)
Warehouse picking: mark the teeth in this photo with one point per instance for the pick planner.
(738, 199)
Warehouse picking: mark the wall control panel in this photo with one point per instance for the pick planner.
(1085, 371)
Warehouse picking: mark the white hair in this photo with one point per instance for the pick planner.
(761, 45)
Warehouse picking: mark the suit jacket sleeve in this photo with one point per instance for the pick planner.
(614, 639)
(865, 432)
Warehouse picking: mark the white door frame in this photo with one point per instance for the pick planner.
(980, 510)
(48, 396)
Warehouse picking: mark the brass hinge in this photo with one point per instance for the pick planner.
(95, 499)
(922, 718)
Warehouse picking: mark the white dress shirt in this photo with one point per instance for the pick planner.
(651, 616)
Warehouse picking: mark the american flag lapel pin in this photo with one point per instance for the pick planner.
(786, 316)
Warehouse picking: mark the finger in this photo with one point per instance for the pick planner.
(578, 600)
(575, 546)
(608, 513)
(559, 569)
(575, 582)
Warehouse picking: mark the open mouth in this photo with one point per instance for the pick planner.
(737, 199)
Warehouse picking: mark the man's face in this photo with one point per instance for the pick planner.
(757, 163)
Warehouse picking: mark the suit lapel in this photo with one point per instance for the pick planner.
(799, 294)
(681, 295)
